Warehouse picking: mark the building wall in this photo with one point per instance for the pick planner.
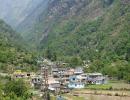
(76, 85)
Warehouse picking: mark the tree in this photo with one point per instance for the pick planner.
(48, 53)
(54, 57)
(16, 87)
(75, 61)
(128, 54)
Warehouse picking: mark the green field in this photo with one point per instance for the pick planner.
(112, 85)
(119, 85)
(99, 87)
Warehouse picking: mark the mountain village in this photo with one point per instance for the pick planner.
(61, 78)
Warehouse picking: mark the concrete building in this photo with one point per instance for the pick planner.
(36, 81)
(19, 74)
(96, 78)
(78, 71)
(76, 82)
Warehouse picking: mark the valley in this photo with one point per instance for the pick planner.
(85, 40)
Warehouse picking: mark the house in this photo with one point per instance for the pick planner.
(78, 71)
(53, 84)
(57, 86)
(94, 75)
(75, 82)
(96, 78)
(36, 81)
(19, 74)
(54, 87)
(84, 77)
(100, 80)
(64, 73)
(55, 72)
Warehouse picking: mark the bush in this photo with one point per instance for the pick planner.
(110, 88)
(16, 87)
(116, 94)
(109, 94)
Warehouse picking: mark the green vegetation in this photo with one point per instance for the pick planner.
(104, 41)
(119, 85)
(14, 90)
(71, 97)
(96, 32)
(12, 51)
(53, 98)
(99, 87)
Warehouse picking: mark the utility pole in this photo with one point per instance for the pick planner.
(61, 83)
(44, 83)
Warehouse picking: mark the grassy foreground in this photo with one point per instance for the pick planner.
(99, 87)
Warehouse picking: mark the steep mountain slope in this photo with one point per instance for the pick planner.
(26, 27)
(81, 26)
(42, 20)
(96, 31)
(11, 52)
(106, 32)
(33, 15)
(15, 11)
(8, 35)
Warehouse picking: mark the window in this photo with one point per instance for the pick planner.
(73, 79)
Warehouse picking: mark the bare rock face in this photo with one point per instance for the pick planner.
(66, 7)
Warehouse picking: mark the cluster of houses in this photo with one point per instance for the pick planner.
(70, 78)
(76, 78)
(67, 77)
(21, 74)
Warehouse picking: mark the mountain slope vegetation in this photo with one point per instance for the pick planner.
(95, 31)
(82, 30)
(12, 53)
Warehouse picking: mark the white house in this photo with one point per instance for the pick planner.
(76, 82)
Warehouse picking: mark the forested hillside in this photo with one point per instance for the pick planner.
(95, 31)
(73, 31)
(12, 52)
(103, 40)
(64, 49)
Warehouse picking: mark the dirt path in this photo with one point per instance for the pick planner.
(102, 94)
